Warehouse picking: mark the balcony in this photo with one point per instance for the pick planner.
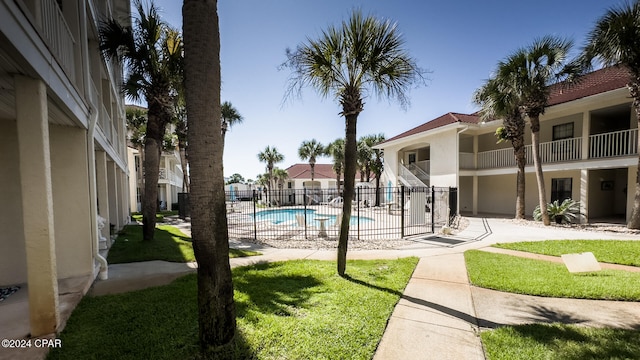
(58, 36)
(607, 145)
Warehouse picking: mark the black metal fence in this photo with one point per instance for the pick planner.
(388, 213)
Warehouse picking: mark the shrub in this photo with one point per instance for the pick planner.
(566, 211)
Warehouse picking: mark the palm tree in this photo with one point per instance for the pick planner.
(271, 156)
(614, 41)
(496, 103)
(216, 308)
(529, 72)
(336, 151)
(364, 54)
(310, 150)
(280, 176)
(375, 164)
(152, 52)
(364, 158)
(230, 117)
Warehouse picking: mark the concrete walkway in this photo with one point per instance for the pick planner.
(439, 315)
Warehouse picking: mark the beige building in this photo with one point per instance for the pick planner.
(588, 146)
(62, 144)
(170, 180)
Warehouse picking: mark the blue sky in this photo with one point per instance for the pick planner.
(459, 42)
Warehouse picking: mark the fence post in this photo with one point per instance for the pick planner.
(402, 211)
(304, 201)
(255, 226)
(433, 209)
(358, 210)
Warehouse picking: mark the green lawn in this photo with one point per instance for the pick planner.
(536, 277)
(542, 342)
(288, 310)
(169, 244)
(159, 216)
(625, 252)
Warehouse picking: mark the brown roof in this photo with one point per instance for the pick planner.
(321, 171)
(446, 119)
(303, 171)
(596, 82)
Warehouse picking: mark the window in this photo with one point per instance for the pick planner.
(561, 189)
(412, 158)
(563, 150)
(563, 131)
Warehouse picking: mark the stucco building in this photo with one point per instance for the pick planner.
(63, 150)
(588, 147)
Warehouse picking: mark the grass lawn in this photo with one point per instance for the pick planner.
(159, 216)
(536, 277)
(543, 341)
(169, 244)
(625, 252)
(287, 310)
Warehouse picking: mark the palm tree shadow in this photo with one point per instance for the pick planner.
(468, 318)
(543, 314)
(282, 295)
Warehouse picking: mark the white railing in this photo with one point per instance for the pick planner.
(105, 122)
(163, 174)
(424, 165)
(559, 150)
(58, 36)
(466, 161)
(409, 177)
(619, 143)
(496, 158)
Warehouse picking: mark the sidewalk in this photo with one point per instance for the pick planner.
(439, 315)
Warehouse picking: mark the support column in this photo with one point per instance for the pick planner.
(584, 196)
(102, 186)
(37, 204)
(113, 193)
(475, 195)
(586, 129)
(167, 193)
(120, 197)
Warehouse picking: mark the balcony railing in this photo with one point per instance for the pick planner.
(466, 161)
(58, 36)
(619, 143)
(613, 144)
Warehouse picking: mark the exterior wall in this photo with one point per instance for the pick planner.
(465, 194)
(133, 179)
(605, 201)
(13, 262)
(444, 159)
(72, 220)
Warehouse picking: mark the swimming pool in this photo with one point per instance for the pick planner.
(288, 217)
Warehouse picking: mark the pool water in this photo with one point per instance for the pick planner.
(288, 217)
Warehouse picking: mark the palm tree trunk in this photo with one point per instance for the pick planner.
(140, 173)
(184, 165)
(350, 163)
(151, 174)
(535, 144)
(519, 153)
(216, 309)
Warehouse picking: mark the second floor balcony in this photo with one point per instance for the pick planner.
(599, 146)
